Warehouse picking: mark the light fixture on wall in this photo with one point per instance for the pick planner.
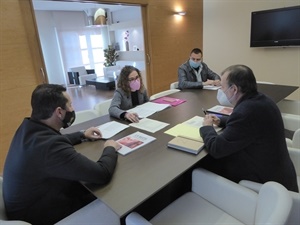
(181, 13)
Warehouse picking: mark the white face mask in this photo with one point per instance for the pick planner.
(222, 98)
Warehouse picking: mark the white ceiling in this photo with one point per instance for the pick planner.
(72, 6)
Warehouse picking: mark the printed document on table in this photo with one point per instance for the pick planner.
(111, 128)
(189, 129)
(149, 125)
(148, 108)
(134, 141)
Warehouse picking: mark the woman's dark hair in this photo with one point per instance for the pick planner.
(123, 82)
(45, 99)
(242, 76)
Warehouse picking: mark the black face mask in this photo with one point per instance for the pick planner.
(69, 119)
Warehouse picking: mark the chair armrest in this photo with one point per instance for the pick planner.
(136, 219)
(242, 200)
(251, 185)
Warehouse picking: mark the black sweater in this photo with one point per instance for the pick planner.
(42, 174)
(252, 145)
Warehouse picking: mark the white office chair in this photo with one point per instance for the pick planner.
(174, 85)
(216, 200)
(85, 115)
(163, 93)
(102, 107)
(291, 121)
(294, 217)
(3, 218)
(295, 142)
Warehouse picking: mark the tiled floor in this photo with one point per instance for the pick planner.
(85, 97)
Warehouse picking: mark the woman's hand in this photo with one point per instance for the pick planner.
(133, 117)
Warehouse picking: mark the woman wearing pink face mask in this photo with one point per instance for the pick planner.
(130, 92)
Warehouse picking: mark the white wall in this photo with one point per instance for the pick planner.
(226, 41)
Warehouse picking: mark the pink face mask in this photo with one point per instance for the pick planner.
(135, 85)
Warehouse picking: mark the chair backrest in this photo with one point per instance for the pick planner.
(85, 115)
(174, 85)
(163, 93)
(80, 69)
(274, 204)
(264, 82)
(291, 121)
(102, 107)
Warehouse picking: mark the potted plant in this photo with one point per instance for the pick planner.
(110, 56)
(110, 68)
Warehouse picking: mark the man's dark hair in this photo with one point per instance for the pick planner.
(196, 51)
(242, 76)
(45, 99)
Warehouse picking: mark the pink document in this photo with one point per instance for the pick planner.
(169, 100)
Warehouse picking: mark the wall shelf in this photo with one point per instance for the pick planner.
(124, 25)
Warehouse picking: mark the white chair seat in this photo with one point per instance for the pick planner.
(191, 204)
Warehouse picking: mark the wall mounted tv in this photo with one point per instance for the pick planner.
(275, 27)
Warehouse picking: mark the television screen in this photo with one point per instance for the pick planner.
(276, 27)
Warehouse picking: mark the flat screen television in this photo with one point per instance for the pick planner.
(275, 27)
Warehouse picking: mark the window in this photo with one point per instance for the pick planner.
(86, 48)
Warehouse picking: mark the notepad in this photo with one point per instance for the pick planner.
(185, 144)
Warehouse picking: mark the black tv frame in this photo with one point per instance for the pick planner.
(266, 26)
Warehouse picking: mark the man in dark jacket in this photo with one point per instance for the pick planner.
(195, 74)
(252, 145)
(42, 172)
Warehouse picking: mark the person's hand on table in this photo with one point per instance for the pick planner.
(112, 143)
(133, 117)
(93, 133)
(210, 120)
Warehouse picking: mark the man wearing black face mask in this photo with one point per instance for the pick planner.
(195, 74)
(42, 172)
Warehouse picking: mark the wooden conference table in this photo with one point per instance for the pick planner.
(144, 172)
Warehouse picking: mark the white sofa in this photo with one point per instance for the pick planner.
(83, 74)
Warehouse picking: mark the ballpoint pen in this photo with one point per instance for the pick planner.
(204, 111)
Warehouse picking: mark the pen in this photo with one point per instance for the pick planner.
(204, 111)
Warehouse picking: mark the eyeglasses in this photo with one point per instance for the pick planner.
(134, 78)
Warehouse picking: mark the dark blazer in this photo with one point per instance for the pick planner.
(122, 102)
(42, 174)
(187, 77)
(252, 145)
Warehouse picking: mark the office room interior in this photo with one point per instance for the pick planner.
(220, 28)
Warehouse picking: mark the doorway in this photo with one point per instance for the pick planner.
(67, 41)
